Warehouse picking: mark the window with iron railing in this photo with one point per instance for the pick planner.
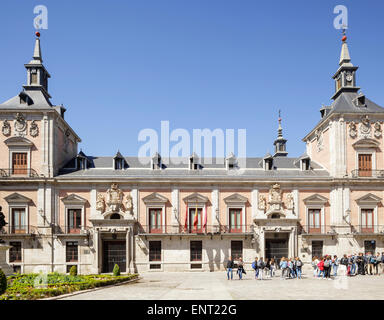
(74, 221)
(367, 224)
(195, 220)
(155, 220)
(19, 163)
(235, 216)
(314, 218)
(18, 220)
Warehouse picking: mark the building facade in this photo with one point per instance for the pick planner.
(66, 208)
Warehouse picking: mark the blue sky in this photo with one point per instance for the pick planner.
(122, 66)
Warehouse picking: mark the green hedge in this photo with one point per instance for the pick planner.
(21, 287)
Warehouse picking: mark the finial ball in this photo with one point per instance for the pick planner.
(37, 34)
(344, 38)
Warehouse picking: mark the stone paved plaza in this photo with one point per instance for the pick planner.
(214, 285)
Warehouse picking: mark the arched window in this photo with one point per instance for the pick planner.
(275, 216)
(115, 216)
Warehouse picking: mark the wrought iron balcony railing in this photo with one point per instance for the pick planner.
(18, 229)
(345, 229)
(209, 229)
(65, 229)
(358, 173)
(19, 173)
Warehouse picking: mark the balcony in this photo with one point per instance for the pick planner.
(181, 230)
(19, 173)
(70, 230)
(328, 230)
(364, 230)
(367, 173)
(18, 230)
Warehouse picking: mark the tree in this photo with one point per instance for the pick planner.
(3, 282)
(116, 270)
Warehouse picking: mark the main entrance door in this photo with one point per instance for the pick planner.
(114, 252)
(276, 248)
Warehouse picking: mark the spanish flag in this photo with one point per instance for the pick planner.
(195, 219)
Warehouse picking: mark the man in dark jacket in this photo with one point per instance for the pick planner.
(230, 266)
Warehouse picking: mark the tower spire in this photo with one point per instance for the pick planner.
(345, 76)
(37, 75)
(280, 142)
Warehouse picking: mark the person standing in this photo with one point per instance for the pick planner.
(377, 263)
(315, 262)
(240, 268)
(283, 267)
(343, 265)
(353, 264)
(272, 267)
(261, 266)
(321, 268)
(299, 265)
(335, 265)
(382, 262)
(255, 267)
(230, 266)
(371, 261)
(267, 268)
(327, 267)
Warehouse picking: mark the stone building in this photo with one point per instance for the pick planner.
(66, 208)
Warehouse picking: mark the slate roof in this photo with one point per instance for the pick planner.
(283, 167)
(345, 103)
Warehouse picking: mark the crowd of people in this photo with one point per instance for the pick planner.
(352, 265)
(326, 267)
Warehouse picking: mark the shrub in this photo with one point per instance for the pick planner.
(116, 270)
(3, 282)
(73, 271)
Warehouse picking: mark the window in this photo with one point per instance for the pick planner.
(118, 164)
(15, 252)
(19, 163)
(195, 220)
(369, 246)
(19, 224)
(155, 215)
(34, 77)
(314, 218)
(235, 220)
(74, 220)
(196, 248)
(236, 249)
(338, 83)
(317, 249)
(154, 250)
(71, 251)
(367, 224)
(306, 164)
(153, 266)
(365, 165)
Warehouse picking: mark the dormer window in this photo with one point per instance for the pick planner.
(268, 162)
(194, 162)
(305, 163)
(118, 161)
(361, 100)
(81, 164)
(156, 162)
(230, 162)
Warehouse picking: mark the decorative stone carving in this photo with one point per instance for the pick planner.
(6, 129)
(319, 140)
(290, 201)
(262, 202)
(129, 204)
(20, 125)
(34, 129)
(377, 127)
(114, 198)
(352, 130)
(100, 203)
(275, 193)
(365, 127)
